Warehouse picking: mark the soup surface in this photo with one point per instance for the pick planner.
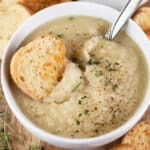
(102, 86)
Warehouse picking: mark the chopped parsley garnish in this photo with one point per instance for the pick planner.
(112, 69)
(60, 35)
(80, 102)
(36, 147)
(109, 67)
(2, 114)
(76, 86)
(89, 62)
(116, 63)
(83, 97)
(93, 62)
(80, 115)
(86, 111)
(77, 122)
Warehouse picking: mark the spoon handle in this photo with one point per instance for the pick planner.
(124, 15)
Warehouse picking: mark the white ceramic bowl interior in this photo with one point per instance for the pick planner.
(74, 8)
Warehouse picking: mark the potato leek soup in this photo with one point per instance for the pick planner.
(102, 85)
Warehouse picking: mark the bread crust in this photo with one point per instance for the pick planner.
(36, 5)
(141, 17)
(37, 67)
(139, 136)
(11, 16)
(123, 147)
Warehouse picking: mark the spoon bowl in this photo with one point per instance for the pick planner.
(122, 18)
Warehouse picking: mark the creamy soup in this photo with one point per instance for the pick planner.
(103, 84)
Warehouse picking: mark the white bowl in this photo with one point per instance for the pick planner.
(74, 8)
(117, 4)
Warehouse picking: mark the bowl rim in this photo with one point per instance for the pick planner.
(44, 135)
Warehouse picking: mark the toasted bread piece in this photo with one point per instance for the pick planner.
(11, 16)
(37, 67)
(123, 147)
(8, 2)
(36, 5)
(148, 33)
(142, 19)
(139, 136)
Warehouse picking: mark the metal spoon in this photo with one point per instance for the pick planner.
(122, 18)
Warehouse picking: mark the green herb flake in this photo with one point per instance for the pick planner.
(86, 111)
(112, 69)
(89, 62)
(35, 147)
(60, 35)
(114, 86)
(76, 86)
(80, 115)
(83, 97)
(5, 140)
(80, 102)
(6, 136)
(116, 63)
(2, 114)
(93, 62)
(78, 122)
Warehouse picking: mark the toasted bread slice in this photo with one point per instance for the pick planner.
(36, 5)
(11, 16)
(8, 2)
(37, 67)
(123, 147)
(148, 33)
(142, 18)
(139, 136)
